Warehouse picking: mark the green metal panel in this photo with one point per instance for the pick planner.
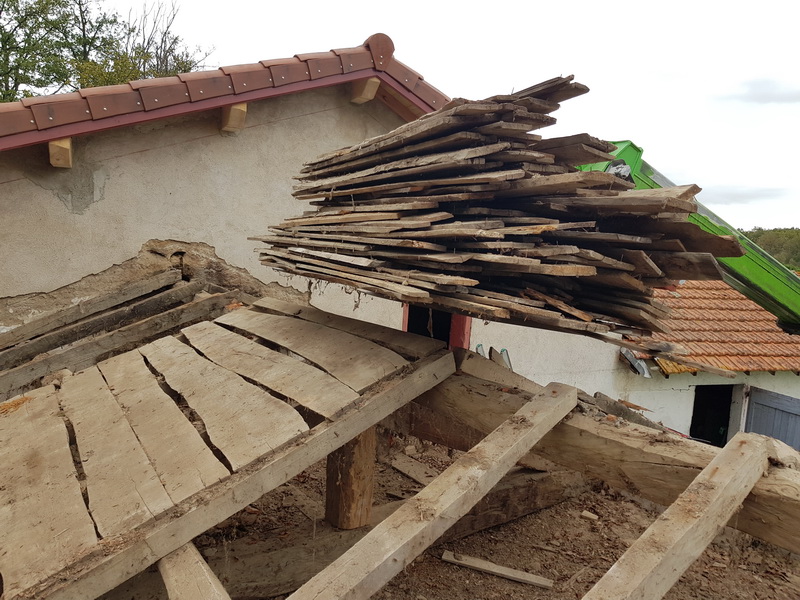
(757, 275)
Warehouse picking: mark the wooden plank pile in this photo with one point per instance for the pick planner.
(466, 210)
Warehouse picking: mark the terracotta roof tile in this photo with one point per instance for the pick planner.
(44, 118)
(722, 328)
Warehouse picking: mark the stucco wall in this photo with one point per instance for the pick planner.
(178, 178)
(594, 366)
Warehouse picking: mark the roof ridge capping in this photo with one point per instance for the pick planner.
(45, 118)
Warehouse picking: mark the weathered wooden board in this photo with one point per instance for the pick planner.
(655, 562)
(404, 343)
(387, 549)
(241, 419)
(352, 360)
(182, 460)
(104, 321)
(89, 351)
(89, 306)
(485, 566)
(100, 571)
(43, 518)
(290, 377)
(123, 487)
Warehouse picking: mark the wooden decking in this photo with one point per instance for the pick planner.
(127, 460)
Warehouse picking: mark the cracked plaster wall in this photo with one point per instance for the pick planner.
(178, 178)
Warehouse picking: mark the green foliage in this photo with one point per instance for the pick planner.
(47, 46)
(782, 244)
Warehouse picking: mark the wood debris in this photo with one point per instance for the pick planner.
(465, 210)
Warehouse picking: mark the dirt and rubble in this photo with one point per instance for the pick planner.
(563, 543)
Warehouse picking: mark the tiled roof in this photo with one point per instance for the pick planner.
(44, 118)
(721, 328)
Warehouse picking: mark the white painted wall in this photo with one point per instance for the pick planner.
(178, 178)
(594, 366)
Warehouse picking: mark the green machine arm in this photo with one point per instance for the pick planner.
(756, 274)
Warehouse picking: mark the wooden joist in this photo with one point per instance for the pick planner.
(376, 558)
(188, 577)
(655, 562)
(654, 465)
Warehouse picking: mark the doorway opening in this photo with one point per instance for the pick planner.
(711, 414)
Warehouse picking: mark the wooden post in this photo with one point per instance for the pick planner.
(349, 482)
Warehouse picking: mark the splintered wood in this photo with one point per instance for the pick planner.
(466, 210)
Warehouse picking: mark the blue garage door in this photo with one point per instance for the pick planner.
(775, 415)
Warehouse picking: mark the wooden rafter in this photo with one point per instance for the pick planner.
(652, 565)
(393, 544)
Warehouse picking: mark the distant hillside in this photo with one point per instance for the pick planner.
(783, 244)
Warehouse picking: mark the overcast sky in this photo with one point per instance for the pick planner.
(709, 89)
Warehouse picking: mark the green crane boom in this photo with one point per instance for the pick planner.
(757, 275)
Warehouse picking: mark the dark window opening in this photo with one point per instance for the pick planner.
(712, 411)
(429, 322)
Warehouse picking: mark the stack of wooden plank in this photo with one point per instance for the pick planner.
(466, 210)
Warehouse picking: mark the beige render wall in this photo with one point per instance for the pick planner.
(178, 178)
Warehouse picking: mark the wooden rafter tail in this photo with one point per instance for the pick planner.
(652, 565)
(393, 544)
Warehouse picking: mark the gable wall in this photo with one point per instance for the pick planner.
(178, 178)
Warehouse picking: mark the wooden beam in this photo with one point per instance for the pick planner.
(90, 351)
(653, 465)
(364, 90)
(100, 571)
(234, 117)
(68, 334)
(187, 576)
(51, 319)
(61, 153)
(350, 478)
(655, 562)
(282, 563)
(387, 549)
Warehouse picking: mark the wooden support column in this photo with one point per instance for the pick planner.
(399, 539)
(61, 153)
(233, 117)
(349, 482)
(652, 565)
(187, 576)
(364, 90)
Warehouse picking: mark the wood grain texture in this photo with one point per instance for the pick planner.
(123, 487)
(293, 378)
(182, 460)
(38, 475)
(387, 549)
(242, 420)
(655, 562)
(352, 360)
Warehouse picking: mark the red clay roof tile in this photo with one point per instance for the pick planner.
(44, 118)
(721, 328)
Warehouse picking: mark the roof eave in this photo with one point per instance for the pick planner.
(30, 138)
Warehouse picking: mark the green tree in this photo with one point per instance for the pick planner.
(141, 47)
(31, 46)
(782, 244)
(48, 46)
